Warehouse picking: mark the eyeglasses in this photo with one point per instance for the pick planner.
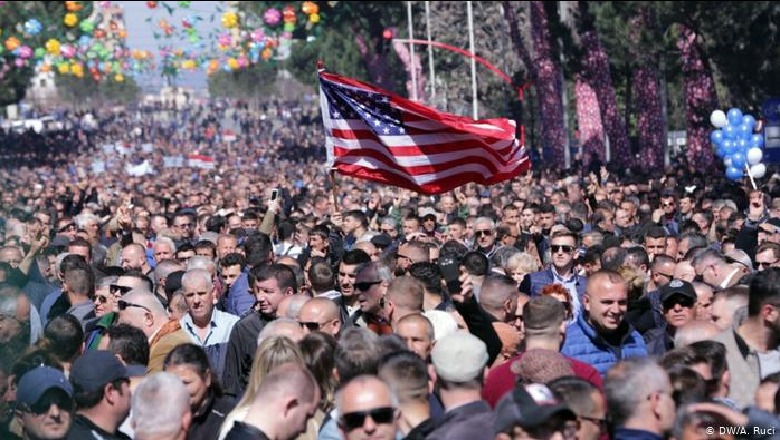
(124, 305)
(483, 233)
(387, 231)
(671, 277)
(115, 288)
(366, 285)
(183, 225)
(760, 264)
(355, 420)
(666, 205)
(43, 405)
(685, 302)
(102, 299)
(555, 248)
(310, 326)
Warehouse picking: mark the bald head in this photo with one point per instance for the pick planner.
(498, 295)
(321, 308)
(695, 331)
(281, 327)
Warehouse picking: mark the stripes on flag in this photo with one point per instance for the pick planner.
(375, 135)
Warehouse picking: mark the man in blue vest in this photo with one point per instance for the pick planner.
(601, 336)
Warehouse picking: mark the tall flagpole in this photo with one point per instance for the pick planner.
(430, 53)
(473, 61)
(411, 51)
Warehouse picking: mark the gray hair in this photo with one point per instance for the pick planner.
(146, 298)
(627, 385)
(382, 271)
(360, 382)
(502, 255)
(201, 262)
(487, 220)
(196, 277)
(159, 402)
(105, 281)
(83, 219)
(167, 241)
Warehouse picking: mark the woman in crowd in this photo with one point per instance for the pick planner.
(209, 407)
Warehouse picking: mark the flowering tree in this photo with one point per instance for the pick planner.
(700, 99)
(650, 122)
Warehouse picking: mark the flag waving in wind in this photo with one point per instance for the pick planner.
(375, 135)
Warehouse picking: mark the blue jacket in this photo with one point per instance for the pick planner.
(239, 298)
(584, 344)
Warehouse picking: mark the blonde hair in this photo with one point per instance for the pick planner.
(522, 260)
(271, 353)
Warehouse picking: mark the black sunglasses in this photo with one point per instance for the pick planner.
(310, 326)
(366, 285)
(114, 289)
(683, 301)
(48, 399)
(102, 299)
(554, 248)
(354, 420)
(483, 233)
(124, 305)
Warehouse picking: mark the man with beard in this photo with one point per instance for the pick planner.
(44, 399)
(134, 258)
(751, 343)
(270, 284)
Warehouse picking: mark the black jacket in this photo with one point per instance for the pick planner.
(243, 431)
(207, 422)
(241, 349)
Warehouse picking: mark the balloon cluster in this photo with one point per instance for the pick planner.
(237, 45)
(738, 143)
(88, 46)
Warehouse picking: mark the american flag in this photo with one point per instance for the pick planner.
(375, 135)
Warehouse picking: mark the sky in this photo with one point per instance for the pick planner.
(140, 35)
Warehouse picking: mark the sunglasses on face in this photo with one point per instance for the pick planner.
(355, 420)
(123, 305)
(43, 404)
(310, 326)
(555, 248)
(101, 299)
(483, 233)
(685, 302)
(121, 290)
(366, 285)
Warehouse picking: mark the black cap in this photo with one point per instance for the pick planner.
(94, 369)
(381, 240)
(677, 287)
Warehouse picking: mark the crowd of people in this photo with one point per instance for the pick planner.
(256, 300)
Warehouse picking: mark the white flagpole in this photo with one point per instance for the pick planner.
(430, 53)
(411, 51)
(473, 61)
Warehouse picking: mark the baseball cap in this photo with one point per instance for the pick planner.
(36, 382)
(381, 240)
(677, 287)
(425, 212)
(459, 357)
(94, 369)
(528, 406)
